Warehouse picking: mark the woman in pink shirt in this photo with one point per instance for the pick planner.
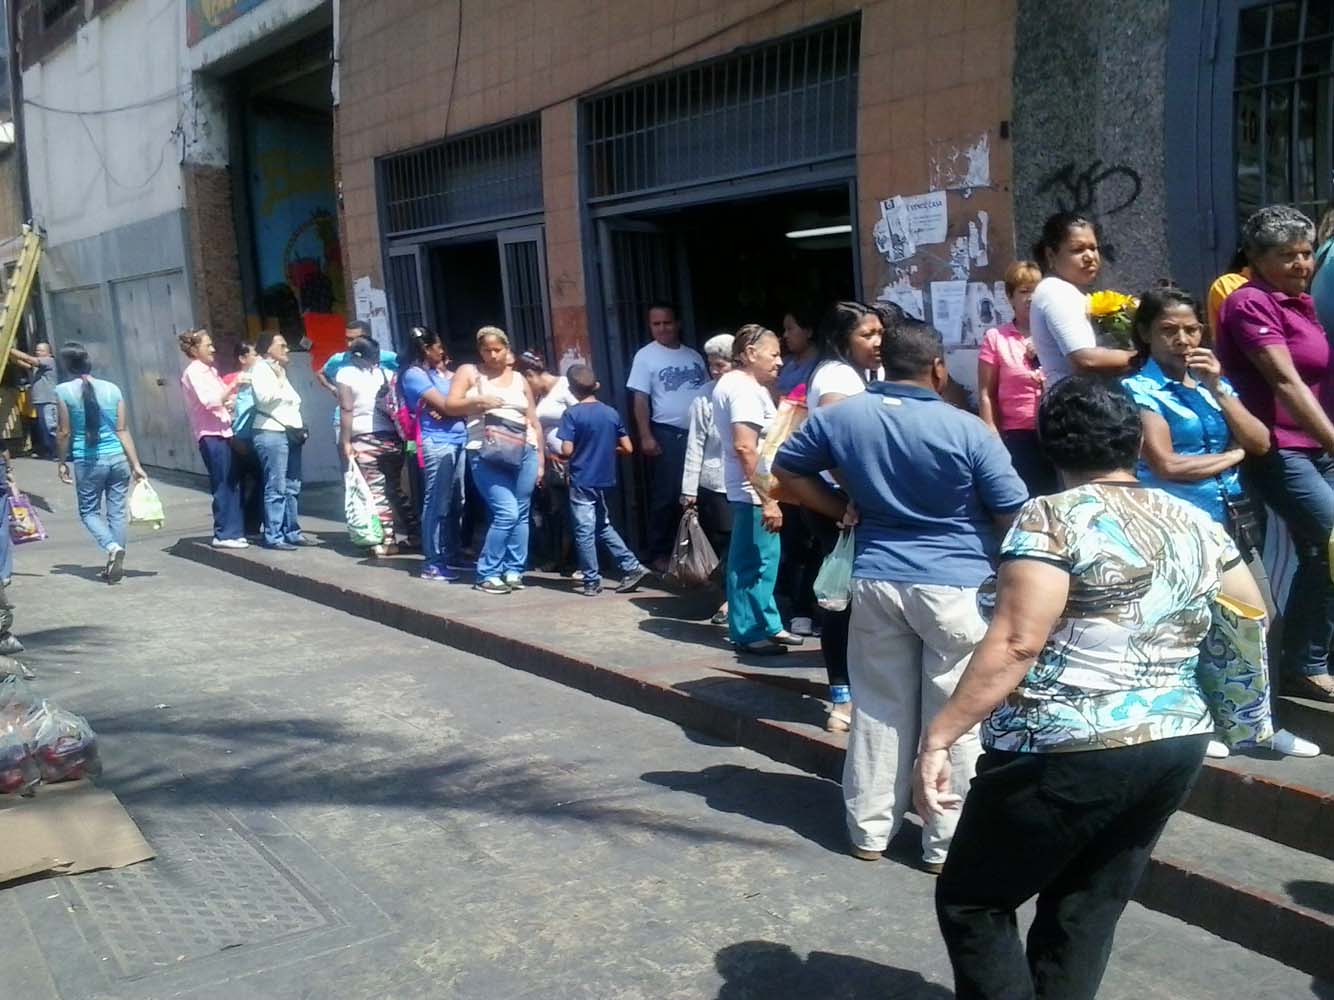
(209, 400)
(1009, 383)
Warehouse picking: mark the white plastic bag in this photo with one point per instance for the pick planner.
(833, 585)
(363, 523)
(146, 505)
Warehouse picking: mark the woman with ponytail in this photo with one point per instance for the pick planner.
(93, 438)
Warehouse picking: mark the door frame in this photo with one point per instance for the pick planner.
(528, 234)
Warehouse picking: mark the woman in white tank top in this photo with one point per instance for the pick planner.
(492, 388)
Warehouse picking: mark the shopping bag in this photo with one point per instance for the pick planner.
(791, 415)
(24, 524)
(693, 559)
(1233, 673)
(363, 523)
(146, 505)
(833, 584)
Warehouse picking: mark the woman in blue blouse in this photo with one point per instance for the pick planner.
(1196, 430)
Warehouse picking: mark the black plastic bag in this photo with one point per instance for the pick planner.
(693, 558)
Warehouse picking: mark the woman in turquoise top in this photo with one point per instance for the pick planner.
(1196, 430)
(92, 435)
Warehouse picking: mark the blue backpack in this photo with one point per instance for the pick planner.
(243, 417)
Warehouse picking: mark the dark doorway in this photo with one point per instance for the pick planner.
(470, 292)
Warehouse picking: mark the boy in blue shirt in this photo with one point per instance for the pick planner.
(592, 435)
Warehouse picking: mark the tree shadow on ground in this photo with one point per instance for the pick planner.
(1312, 894)
(779, 697)
(69, 639)
(810, 807)
(91, 573)
(765, 970)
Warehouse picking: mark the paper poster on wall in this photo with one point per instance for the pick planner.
(927, 215)
(948, 299)
(1001, 302)
(978, 236)
(373, 307)
(902, 294)
(896, 227)
(962, 166)
(979, 314)
(960, 263)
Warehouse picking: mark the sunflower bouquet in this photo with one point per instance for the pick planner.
(1113, 313)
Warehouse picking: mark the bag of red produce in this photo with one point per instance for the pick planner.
(64, 744)
(19, 772)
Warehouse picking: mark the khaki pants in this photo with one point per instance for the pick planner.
(907, 648)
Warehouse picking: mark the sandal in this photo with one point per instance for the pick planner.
(1317, 687)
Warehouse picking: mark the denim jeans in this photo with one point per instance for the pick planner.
(280, 461)
(588, 516)
(442, 479)
(6, 541)
(102, 479)
(665, 495)
(1299, 485)
(508, 494)
(1074, 829)
(224, 481)
(45, 429)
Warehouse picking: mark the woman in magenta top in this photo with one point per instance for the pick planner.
(209, 401)
(1009, 383)
(1278, 358)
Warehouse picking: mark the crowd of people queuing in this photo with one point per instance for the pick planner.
(1030, 583)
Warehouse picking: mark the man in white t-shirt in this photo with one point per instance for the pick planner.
(665, 378)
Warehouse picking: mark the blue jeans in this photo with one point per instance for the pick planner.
(45, 428)
(1299, 486)
(442, 477)
(665, 496)
(508, 494)
(280, 462)
(224, 481)
(752, 571)
(588, 517)
(98, 479)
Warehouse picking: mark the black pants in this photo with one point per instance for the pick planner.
(665, 490)
(715, 517)
(1038, 474)
(834, 624)
(1074, 829)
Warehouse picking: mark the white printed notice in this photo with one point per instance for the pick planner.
(947, 306)
(894, 236)
(927, 216)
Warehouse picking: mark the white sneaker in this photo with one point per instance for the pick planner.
(803, 626)
(230, 543)
(115, 567)
(1217, 749)
(1285, 742)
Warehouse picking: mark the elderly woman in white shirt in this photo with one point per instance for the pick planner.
(1059, 323)
(280, 433)
(702, 478)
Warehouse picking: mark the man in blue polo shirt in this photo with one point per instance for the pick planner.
(933, 490)
(328, 374)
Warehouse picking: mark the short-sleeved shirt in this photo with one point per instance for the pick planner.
(414, 382)
(739, 399)
(1119, 667)
(337, 362)
(1223, 286)
(671, 378)
(1322, 285)
(594, 430)
(108, 397)
(926, 477)
(836, 377)
(1258, 315)
(42, 384)
(1060, 324)
(1018, 385)
(1197, 426)
(369, 416)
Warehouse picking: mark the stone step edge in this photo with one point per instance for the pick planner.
(1170, 886)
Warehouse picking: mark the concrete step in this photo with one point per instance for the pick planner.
(1311, 719)
(1258, 844)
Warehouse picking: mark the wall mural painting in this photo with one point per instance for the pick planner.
(203, 17)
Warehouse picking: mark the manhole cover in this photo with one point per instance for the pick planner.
(211, 888)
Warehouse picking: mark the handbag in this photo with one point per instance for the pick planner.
(295, 435)
(1233, 673)
(24, 524)
(504, 441)
(693, 559)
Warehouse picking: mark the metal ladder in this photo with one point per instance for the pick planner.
(17, 290)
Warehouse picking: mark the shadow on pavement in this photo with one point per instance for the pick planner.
(72, 638)
(766, 970)
(810, 807)
(90, 573)
(1312, 895)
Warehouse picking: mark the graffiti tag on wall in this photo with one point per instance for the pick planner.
(1099, 190)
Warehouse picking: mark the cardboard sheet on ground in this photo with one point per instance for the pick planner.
(66, 829)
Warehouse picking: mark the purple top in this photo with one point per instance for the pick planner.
(1257, 315)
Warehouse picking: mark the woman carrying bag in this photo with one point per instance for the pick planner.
(280, 434)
